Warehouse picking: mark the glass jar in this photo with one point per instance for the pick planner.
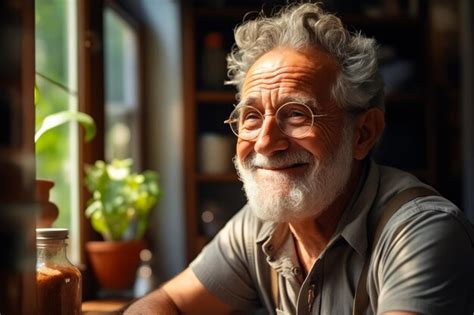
(58, 281)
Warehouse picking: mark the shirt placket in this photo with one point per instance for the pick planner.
(281, 257)
(309, 299)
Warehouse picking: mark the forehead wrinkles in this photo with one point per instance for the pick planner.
(299, 77)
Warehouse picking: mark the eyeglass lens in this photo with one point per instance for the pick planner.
(294, 120)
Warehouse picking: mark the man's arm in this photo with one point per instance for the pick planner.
(157, 302)
(183, 294)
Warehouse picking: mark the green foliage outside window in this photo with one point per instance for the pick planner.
(52, 150)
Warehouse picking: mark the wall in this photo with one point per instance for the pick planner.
(164, 137)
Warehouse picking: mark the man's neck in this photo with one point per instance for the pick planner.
(312, 235)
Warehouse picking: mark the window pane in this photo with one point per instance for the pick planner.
(121, 82)
(56, 150)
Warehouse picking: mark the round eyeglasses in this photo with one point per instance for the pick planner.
(294, 119)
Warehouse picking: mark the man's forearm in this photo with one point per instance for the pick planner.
(156, 303)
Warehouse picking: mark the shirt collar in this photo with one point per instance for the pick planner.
(267, 230)
(353, 224)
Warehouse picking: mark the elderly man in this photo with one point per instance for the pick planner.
(311, 238)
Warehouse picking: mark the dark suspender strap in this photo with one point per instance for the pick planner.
(361, 299)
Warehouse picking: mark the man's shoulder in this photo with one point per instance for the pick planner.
(425, 251)
(393, 180)
(419, 210)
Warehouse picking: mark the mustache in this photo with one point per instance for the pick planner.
(282, 159)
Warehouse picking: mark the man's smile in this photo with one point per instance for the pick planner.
(296, 169)
(281, 168)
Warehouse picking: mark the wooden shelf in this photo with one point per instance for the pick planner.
(218, 178)
(213, 97)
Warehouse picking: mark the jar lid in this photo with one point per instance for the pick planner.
(51, 233)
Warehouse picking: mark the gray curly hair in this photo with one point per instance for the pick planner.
(358, 84)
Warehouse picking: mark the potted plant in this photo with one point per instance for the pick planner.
(118, 209)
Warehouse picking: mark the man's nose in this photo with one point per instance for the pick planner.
(270, 139)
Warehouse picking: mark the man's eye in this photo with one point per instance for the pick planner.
(296, 114)
(250, 120)
(295, 117)
(250, 116)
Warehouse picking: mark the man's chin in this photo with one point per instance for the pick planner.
(279, 215)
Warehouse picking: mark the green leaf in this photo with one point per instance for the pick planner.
(63, 117)
(99, 224)
(125, 198)
(93, 207)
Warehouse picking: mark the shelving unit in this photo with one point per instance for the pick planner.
(410, 143)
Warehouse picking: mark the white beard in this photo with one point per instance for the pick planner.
(283, 198)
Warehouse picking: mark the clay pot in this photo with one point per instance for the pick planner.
(48, 211)
(115, 263)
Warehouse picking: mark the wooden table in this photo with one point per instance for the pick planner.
(105, 307)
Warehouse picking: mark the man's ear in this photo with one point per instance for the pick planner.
(367, 130)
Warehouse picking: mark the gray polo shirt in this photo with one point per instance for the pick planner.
(428, 267)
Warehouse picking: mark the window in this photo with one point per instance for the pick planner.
(57, 150)
(121, 88)
(110, 42)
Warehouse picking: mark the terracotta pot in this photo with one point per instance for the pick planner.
(115, 263)
(48, 211)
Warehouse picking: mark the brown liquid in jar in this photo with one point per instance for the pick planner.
(58, 290)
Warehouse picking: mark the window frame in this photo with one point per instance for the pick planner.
(91, 98)
(91, 90)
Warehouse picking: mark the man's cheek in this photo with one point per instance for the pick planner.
(244, 148)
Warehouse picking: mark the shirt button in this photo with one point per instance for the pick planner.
(296, 271)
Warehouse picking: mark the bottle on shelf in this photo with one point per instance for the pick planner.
(213, 66)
